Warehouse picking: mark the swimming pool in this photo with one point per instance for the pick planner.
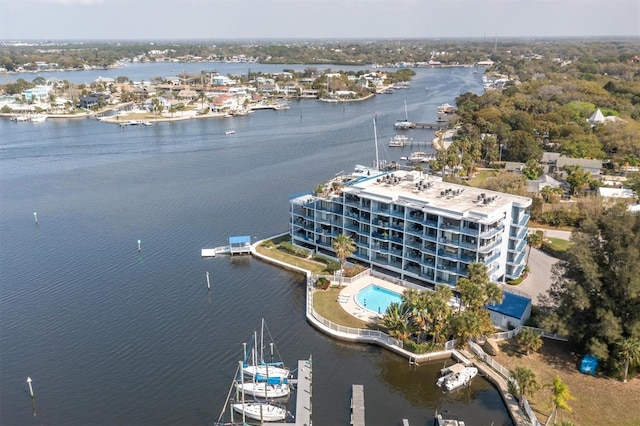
(376, 299)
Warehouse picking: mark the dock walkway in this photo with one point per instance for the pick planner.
(357, 405)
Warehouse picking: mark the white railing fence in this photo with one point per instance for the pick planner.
(506, 374)
(512, 333)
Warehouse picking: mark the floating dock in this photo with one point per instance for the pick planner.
(303, 395)
(357, 405)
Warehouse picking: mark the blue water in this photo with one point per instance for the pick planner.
(111, 336)
(377, 299)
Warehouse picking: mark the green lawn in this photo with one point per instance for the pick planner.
(560, 244)
(326, 304)
(308, 264)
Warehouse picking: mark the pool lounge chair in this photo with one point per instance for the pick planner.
(343, 298)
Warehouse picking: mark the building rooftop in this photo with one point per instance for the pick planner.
(512, 305)
(419, 190)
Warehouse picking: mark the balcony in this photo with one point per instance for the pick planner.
(490, 246)
(469, 231)
(517, 248)
(491, 232)
(446, 255)
(523, 220)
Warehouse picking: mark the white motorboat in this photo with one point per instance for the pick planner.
(39, 118)
(264, 389)
(398, 140)
(230, 132)
(261, 411)
(456, 376)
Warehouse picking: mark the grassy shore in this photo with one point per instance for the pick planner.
(597, 399)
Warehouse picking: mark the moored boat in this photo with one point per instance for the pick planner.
(456, 376)
(230, 132)
(398, 140)
(264, 389)
(261, 411)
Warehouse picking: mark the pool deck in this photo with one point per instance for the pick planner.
(348, 302)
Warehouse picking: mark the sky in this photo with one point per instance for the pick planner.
(314, 19)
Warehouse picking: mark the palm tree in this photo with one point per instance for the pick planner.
(529, 340)
(629, 351)
(526, 380)
(398, 322)
(344, 247)
(534, 240)
(415, 302)
(493, 294)
(439, 310)
(559, 398)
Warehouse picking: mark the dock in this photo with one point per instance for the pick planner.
(436, 126)
(237, 245)
(303, 395)
(357, 405)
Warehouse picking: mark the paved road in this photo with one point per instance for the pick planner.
(540, 263)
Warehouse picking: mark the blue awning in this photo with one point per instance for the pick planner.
(239, 240)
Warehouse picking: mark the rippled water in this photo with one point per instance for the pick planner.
(112, 336)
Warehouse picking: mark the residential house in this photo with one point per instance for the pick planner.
(592, 166)
(512, 166)
(535, 186)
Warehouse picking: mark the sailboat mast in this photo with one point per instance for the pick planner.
(262, 342)
(375, 139)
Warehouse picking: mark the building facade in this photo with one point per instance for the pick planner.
(415, 227)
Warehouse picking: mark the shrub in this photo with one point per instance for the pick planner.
(323, 283)
(291, 249)
(353, 270)
(417, 348)
(268, 244)
(332, 265)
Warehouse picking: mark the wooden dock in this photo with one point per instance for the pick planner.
(431, 125)
(303, 395)
(357, 405)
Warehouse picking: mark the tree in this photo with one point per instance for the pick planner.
(532, 170)
(344, 247)
(549, 192)
(415, 302)
(534, 240)
(527, 382)
(577, 178)
(629, 352)
(560, 398)
(397, 321)
(439, 311)
(595, 299)
(528, 340)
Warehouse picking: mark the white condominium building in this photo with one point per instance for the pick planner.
(414, 226)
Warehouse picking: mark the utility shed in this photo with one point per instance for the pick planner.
(514, 310)
(240, 245)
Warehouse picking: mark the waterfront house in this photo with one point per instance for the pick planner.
(414, 226)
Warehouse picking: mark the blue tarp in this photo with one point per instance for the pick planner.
(589, 364)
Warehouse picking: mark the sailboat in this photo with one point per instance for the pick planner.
(404, 124)
(260, 370)
(256, 410)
